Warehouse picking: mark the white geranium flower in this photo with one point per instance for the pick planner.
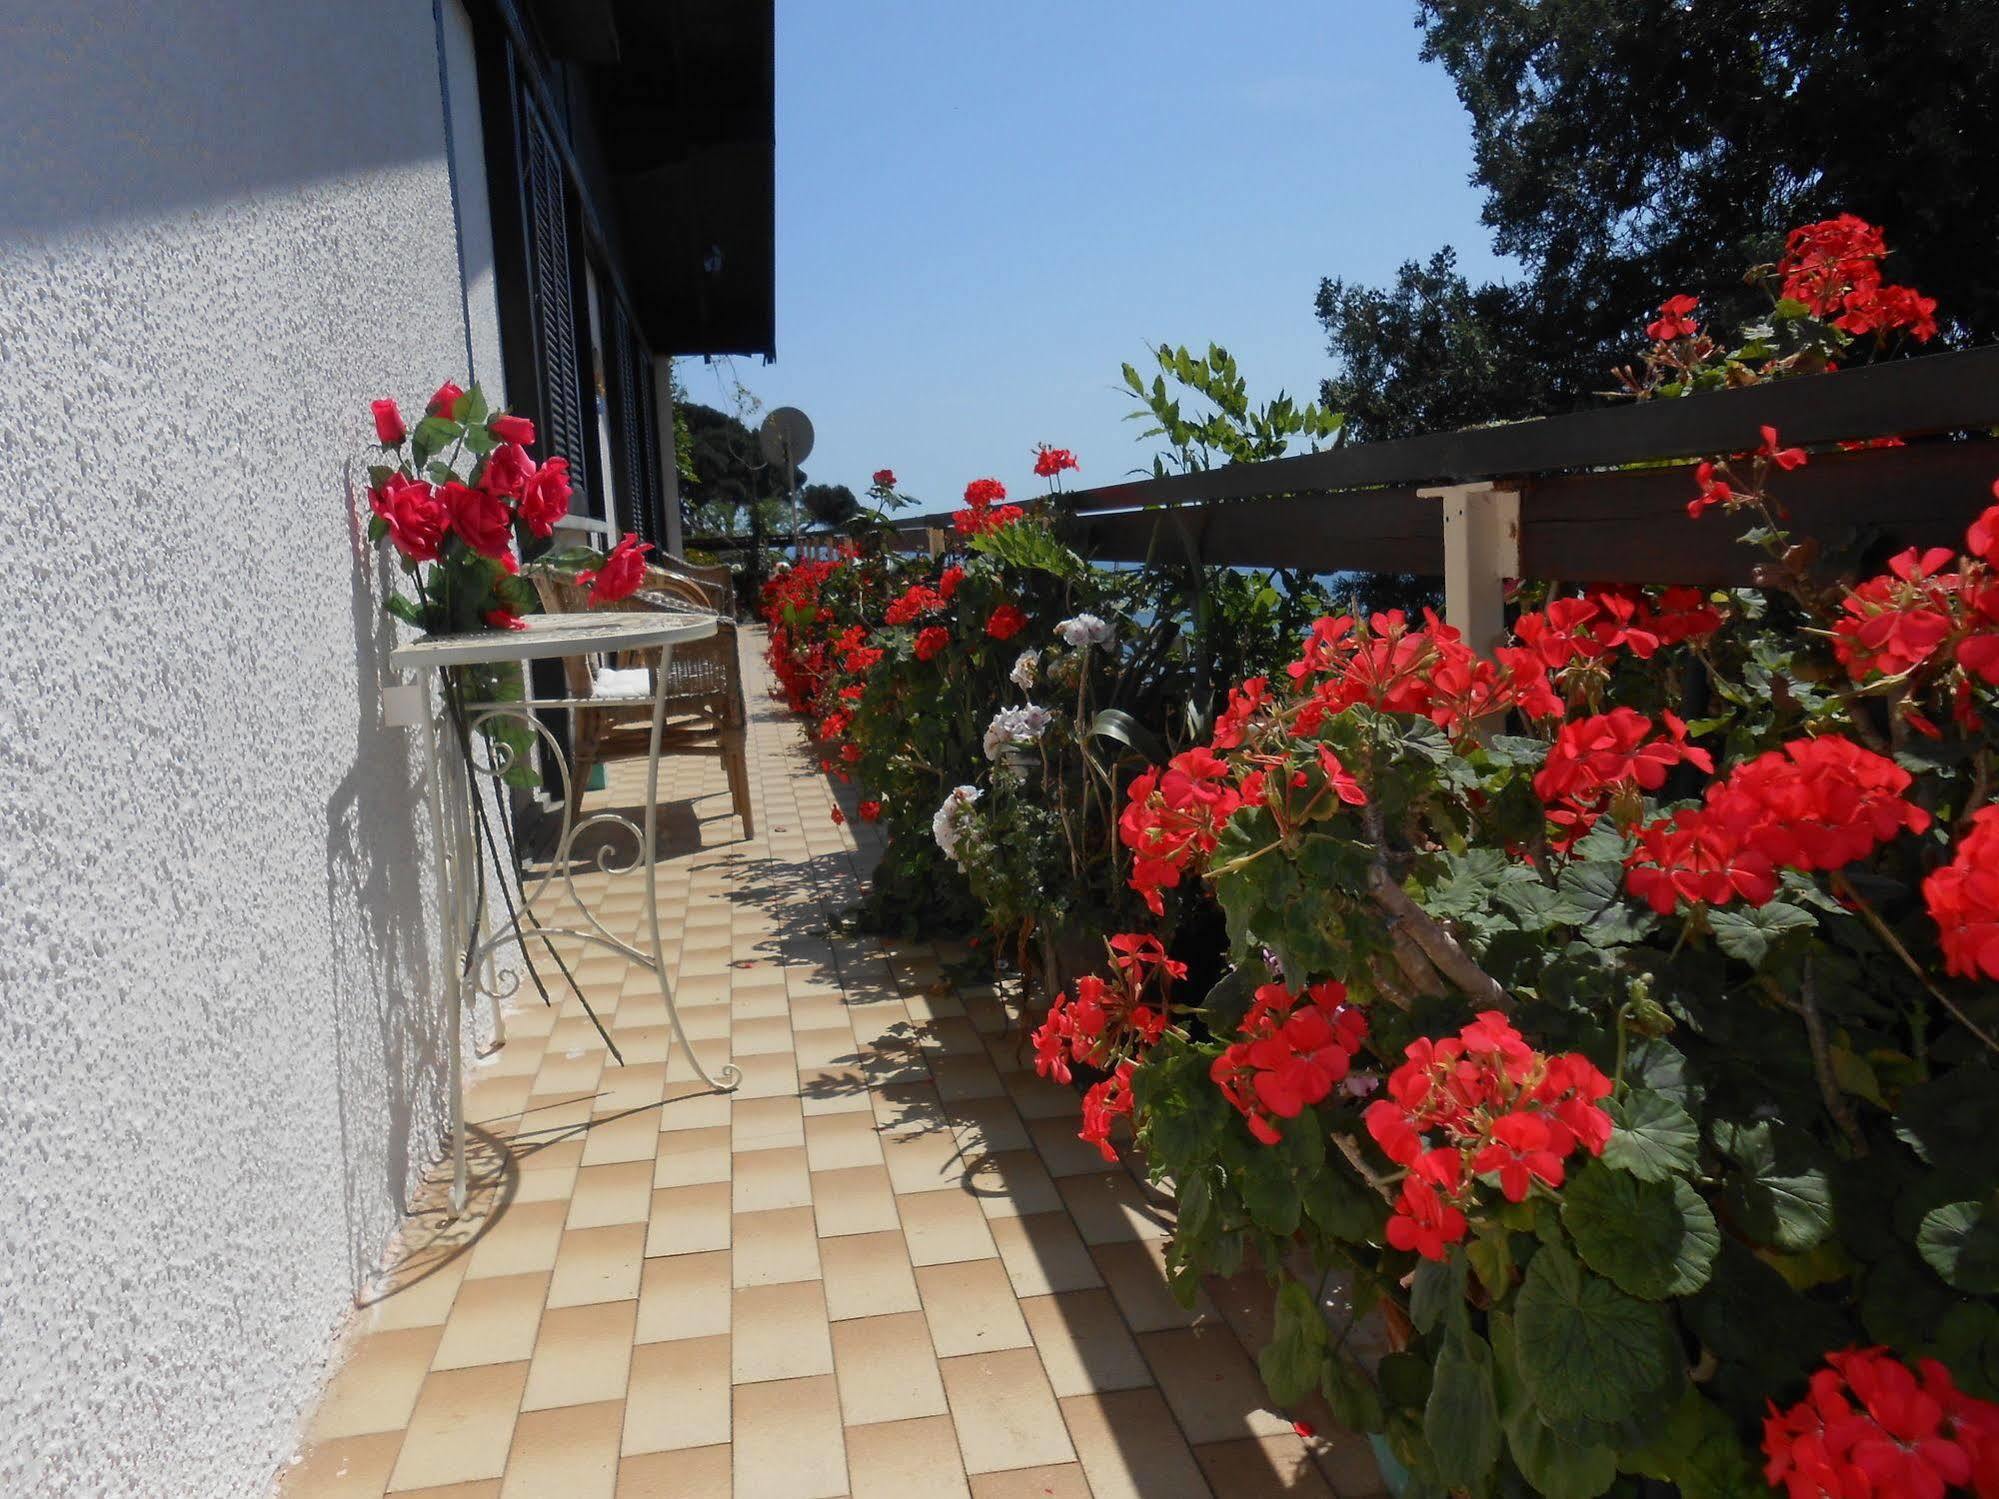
(1084, 629)
(944, 825)
(1024, 667)
(1012, 726)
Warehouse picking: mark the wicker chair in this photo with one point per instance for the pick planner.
(718, 583)
(705, 713)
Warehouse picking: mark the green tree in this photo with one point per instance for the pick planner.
(828, 504)
(1630, 148)
(730, 476)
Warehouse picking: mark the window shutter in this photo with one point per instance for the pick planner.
(634, 427)
(552, 289)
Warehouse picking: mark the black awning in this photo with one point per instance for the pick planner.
(684, 102)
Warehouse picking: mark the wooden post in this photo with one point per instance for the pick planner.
(1481, 551)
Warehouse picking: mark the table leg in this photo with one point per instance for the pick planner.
(444, 792)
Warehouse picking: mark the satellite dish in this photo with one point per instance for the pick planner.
(785, 436)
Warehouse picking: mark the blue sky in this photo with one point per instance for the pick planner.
(983, 210)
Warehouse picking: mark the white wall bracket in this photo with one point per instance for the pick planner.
(1481, 551)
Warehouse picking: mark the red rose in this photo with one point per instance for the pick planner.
(388, 424)
(622, 573)
(507, 470)
(510, 428)
(930, 640)
(441, 403)
(1005, 622)
(417, 519)
(545, 497)
(481, 518)
(884, 478)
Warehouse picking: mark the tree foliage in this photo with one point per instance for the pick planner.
(1627, 148)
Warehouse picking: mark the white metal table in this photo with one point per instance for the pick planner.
(451, 732)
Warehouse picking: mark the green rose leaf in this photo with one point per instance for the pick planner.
(1290, 1360)
(1461, 1417)
(433, 434)
(1781, 1194)
(1960, 1241)
(1587, 1351)
(1750, 933)
(1653, 1238)
(1655, 1138)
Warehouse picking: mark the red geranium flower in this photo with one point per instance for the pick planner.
(1005, 622)
(1673, 321)
(870, 811)
(930, 640)
(1048, 462)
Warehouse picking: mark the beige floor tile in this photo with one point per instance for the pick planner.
(963, 1078)
(837, 1142)
(867, 1275)
(776, 1246)
(905, 1459)
(570, 1071)
(1084, 1344)
(761, 1036)
(1347, 1462)
(604, 1195)
(694, 1105)
(771, 1075)
(971, 1308)
(789, 1443)
(1208, 1379)
(924, 1159)
(637, 1084)
(485, 1488)
(376, 1387)
(853, 1200)
(494, 1322)
(767, 1124)
(1136, 1275)
(1037, 1097)
(522, 1240)
(582, 1355)
(1013, 1184)
(1109, 1207)
(571, 1452)
(780, 1332)
(1044, 1254)
(1262, 1468)
(824, 1047)
(887, 1369)
(344, 1468)
(1005, 1411)
(418, 1293)
(834, 1089)
(692, 1157)
(988, 1126)
(632, 1136)
(684, 1296)
(944, 1227)
(598, 1264)
(686, 1220)
(460, 1429)
(698, 1473)
(1062, 1482)
(497, 1098)
(1065, 1154)
(678, 1395)
(769, 1179)
(1130, 1448)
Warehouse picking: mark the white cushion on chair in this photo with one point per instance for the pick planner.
(627, 683)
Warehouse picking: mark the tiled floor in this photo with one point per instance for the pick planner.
(885, 1266)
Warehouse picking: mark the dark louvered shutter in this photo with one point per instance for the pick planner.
(634, 433)
(552, 287)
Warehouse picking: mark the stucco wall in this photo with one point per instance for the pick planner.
(223, 229)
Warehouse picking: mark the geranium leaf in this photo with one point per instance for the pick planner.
(1461, 1417)
(1751, 932)
(1960, 1241)
(1781, 1194)
(1557, 1468)
(1653, 1238)
(1438, 1287)
(1588, 1351)
(1698, 1451)
(1654, 1137)
(1290, 1361)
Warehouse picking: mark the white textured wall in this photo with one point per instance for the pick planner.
(224, 227)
